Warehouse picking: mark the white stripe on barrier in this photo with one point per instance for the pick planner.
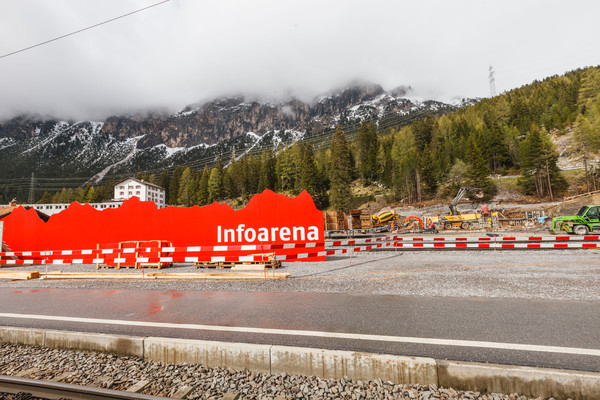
(191, 259)
(190, 249)
(217, 259)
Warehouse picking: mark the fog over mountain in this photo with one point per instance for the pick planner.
(183, 51)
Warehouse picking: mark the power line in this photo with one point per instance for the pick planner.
(82, 30)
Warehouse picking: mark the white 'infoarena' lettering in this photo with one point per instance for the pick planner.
(275, 234)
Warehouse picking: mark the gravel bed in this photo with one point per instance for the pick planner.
(119, 373)
(520, 274)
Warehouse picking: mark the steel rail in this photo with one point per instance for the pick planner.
(57, 390)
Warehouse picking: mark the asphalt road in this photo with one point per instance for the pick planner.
(544, 333)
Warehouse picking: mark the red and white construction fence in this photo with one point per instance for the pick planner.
(266, 252)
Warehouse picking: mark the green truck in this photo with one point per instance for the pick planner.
(587, 220)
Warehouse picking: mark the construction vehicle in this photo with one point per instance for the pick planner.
(384, 217)
(587, 220)
(384, 220)
(416, 222)
(457, 220)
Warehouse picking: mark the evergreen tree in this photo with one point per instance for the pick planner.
(285, 169)
(340, 193)
(174, 185)
(46, 199)
(202, 195)
(586, 141)
(540, 174)
(90, 196)
(187, 188)
(479, 172)
(368, 149)
(308, 171)
(164, 182)
(215, 182)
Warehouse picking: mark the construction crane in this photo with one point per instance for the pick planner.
(461, 193)
(455, 218)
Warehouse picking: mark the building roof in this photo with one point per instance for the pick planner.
(140, 181)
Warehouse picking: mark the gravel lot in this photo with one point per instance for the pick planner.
(524, 274)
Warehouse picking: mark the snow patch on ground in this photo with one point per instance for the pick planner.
(134, 141)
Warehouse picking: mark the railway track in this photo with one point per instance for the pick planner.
(56, 390)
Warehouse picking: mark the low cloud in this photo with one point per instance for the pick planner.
(186, 51)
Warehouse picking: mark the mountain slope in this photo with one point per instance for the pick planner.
(194, 136)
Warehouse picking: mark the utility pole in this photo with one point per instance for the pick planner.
(492, 82)
(31, 198)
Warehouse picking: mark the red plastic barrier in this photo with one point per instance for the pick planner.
(269, 218)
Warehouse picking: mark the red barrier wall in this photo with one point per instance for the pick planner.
(268, 218)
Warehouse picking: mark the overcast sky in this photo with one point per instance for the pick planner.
(185, 51)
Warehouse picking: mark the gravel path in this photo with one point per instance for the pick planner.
(521, 274)
(120, 373)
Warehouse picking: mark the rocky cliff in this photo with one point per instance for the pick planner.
(196, 134)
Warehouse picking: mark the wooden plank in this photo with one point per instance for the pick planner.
(19, 275)
(138, 387)
(162, 275)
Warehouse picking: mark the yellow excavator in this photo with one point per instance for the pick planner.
(457, 220)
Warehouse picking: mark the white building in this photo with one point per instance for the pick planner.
(51, 209)
(145, 191)
(130, 187)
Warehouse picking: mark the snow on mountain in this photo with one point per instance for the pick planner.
(197, 135)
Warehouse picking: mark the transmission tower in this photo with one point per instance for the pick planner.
(492, 82)
(31, 198)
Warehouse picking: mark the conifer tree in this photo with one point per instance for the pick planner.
(368, 147)
(46, 199)
(164, 182)
(215, 182)
(174, 185)
(90, 196)
(202, 195)
(479, 172)
(340, 173)
(187, 188)
(540, 174)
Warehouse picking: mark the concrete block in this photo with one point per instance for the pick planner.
(22, 336)
(528, 381)
(114, 344)
(355, 365)
(239, 356)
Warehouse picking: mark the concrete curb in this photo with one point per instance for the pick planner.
(363, 366)
(491, 378)
(533, 382)
(254, 357)
(115, 344)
